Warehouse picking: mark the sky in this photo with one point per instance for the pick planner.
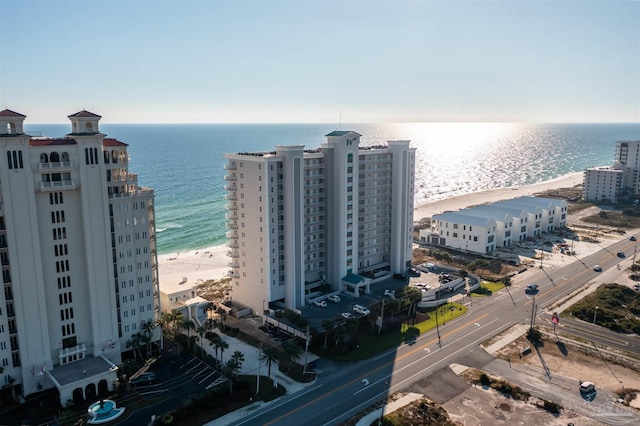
(306, 61)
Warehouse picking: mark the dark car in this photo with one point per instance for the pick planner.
(620, 254)
(413, 272)
(143, 380)
(531, 288)
(633, 238)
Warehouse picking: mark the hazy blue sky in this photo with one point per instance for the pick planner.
(314, 61)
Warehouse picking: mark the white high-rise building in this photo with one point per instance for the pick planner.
(302, 221)
(611, 183)
(78, 252)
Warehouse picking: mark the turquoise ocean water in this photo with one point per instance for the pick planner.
(183, 163)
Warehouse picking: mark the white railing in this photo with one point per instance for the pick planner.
(55, 185)
(55, 166)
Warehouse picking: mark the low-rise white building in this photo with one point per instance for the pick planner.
(461, 231)
(483, 229)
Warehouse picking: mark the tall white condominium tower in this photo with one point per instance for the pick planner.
(301, 220)
(79, 266)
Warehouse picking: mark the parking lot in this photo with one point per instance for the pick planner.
(428, 276)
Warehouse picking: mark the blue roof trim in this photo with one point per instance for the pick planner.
(353, 278)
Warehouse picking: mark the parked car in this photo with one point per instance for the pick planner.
(636, 287)
(334, 298)
(413, 272)
(390, 293)
(346, 315)
(597, 268)
(143, 380)
(320, 303)
(428, 265)
(361, 309)
(620, 254)
(587, 387)
(632, 238)
(531, 288)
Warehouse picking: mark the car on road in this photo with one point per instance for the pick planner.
(320, 303)
(334, 298)
(531, 288)
(361, 309)
(620, 254)
(597, 268)
(346, 315)
(636, 287)
(144, 379)
(632, 238)
(428, 265)
(413, 272)
(587, 387)
(390, 293)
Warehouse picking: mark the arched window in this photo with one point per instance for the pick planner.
(11, 128)
(349, 158)
(114, 156)
(54, 157)
(89, 128)
(44, 158)
(65, 157)
(105, 154)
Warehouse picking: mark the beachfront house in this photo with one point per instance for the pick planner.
(302, 222)
(461, 231)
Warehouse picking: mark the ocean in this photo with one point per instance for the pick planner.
(183, 163)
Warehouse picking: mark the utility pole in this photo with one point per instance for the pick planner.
(258, 378)
(635, 248)
(381, 316)
(533, 312)
(437, 326)
(306, 351)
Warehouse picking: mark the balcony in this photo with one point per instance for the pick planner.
(230, 187)
(233, 254)
(233, 274)
(231, 215)
(233, 244)
(233, 264)
(78, 349)
(230, 178)
(230, 197)
(58, 185)
(232, 225)
(232, 235)
(230, 167)
(61, 166)
(230, 206)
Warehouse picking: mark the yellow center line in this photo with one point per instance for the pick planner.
(358, 379)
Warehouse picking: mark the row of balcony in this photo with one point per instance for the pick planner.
(58, 185)
(57, 166)
(81, 347)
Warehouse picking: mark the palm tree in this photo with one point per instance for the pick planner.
(148, 327)
(223, 318)
(177, 317)
(238, 358)
(188, 325)
(215, 342)
(201, 330)
(292, 351)
(270, 355)
(223, 345)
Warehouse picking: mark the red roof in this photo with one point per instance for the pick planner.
(9, 113)
(52, 141)
(112, 142)
(85, 114)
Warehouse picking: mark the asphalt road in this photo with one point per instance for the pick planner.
(338, 394)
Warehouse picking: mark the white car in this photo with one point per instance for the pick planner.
(346, 315)
(428, 265)
(334, 298)
(320, 303)
(390, 293)
(361, 309)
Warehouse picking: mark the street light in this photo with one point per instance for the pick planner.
(594, 315)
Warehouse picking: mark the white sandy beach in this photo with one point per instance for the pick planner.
(211, 263)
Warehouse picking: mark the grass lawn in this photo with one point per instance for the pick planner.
(487, 288)
(371, 345)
